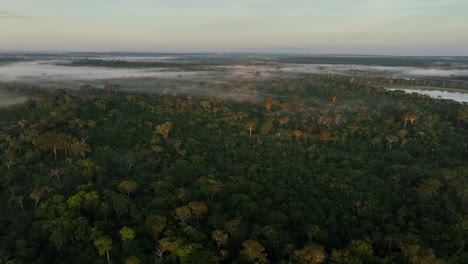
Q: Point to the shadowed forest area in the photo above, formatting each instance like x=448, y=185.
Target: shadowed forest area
x=321, y=169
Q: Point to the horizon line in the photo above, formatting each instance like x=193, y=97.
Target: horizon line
x=221, y=52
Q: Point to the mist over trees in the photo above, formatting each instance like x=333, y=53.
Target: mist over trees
x=324, y=169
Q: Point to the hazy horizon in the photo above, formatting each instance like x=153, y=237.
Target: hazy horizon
x=224, y=52
x=354, y=27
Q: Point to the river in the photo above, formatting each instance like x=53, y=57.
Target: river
x=459, y=97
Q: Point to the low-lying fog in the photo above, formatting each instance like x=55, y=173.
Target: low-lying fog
x=214, y=80
x=374, y=70
x=49, y=71
x=9, y=98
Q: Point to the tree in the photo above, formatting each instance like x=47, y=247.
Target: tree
x=183, y=213
x=418, y=255
x=120, y=203
x=128, y=187
x=462, y=115
x=390, y=140
x=254, y=252
x=310, y=254
x=333, y=95
x=356, y=252
x=412, y=117
x=164, y=129
x=283, y=121
x=267, y=103
x=51, y=141
x=325, y=136
x=198, y=208
x=312, y=231
x=266, y=126
x=205, y=105
x=250, y=125
x=80, y=148
x=57, y=172
x=127, y=234
x=9, y=158
x=17, y=200
x=232, y=226
x=160, y=249
x=210, y=187
x=298, y=134
x=104, y=245
x=402, y=133
x=108, y=87
x=156, y=224
x=157, y=149
x=36, y=195
x=132, y=260
x=177, y=247
x=220, y=237
x=429, y=187
x=223, y=254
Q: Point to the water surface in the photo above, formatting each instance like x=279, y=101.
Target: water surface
x=459, y=97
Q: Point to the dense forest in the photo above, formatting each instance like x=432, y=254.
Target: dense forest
x=319, y=170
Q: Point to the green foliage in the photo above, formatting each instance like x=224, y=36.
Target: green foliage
x=127, y=233
x=324, y=170
x=103, y=244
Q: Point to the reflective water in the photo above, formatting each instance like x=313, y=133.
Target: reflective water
x=459, y=97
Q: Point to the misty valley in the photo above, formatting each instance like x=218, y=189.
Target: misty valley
x=233, y=158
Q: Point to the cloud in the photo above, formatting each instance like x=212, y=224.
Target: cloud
x=12, y=15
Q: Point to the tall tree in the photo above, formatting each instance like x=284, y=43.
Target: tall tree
x=254, y=252
x=127, y=187
x=164, y=129
x=104, y=245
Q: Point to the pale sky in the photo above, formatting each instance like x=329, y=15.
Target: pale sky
x=407, y=27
